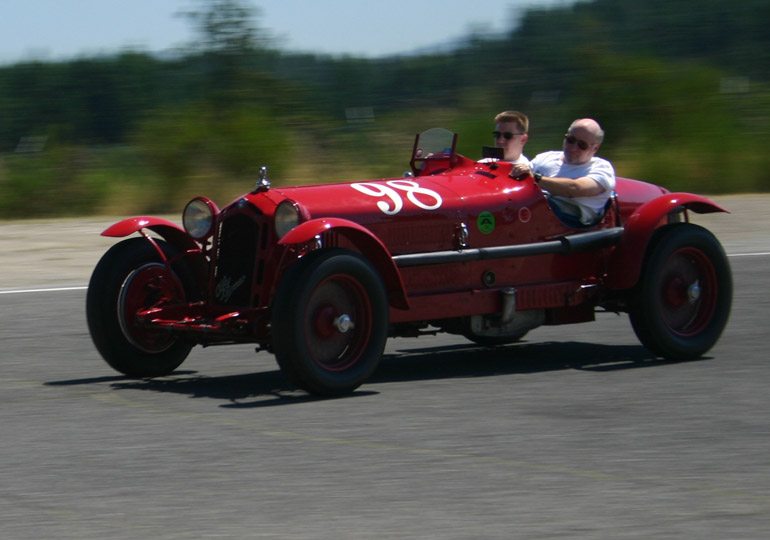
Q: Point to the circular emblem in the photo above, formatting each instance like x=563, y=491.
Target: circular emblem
x=525, y=214
x=486, y=222
x=418, y=153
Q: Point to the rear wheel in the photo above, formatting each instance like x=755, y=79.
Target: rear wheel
x=330, y=322
x=129, y=278
x=682, y=302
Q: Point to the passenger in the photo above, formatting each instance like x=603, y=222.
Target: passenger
x=510, y=134
x=577, y=182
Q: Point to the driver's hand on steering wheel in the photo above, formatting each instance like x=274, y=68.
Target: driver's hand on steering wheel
x=520, y=171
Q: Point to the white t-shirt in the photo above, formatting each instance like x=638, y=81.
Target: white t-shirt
x=552, y=164
x=522, y=159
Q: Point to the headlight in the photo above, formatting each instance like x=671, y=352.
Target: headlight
x=286, y=218
x=198, y=217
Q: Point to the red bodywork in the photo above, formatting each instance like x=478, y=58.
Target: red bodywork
x=449, y=242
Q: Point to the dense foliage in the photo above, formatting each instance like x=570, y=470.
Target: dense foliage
x=680, y=86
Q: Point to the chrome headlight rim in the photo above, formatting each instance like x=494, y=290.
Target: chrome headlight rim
x=287, y=216
x=199, y=217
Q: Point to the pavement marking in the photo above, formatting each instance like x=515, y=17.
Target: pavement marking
x=760, y=254
x=49, y=289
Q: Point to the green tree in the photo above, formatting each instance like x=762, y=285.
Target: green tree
x=227, y=39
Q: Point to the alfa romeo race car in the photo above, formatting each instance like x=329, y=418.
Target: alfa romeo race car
x=322, y=275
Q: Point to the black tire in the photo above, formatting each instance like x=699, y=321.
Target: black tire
x=129, y=277
x=682, y=302
x=330, y=322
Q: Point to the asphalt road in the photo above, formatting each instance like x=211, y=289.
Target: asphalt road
x=575, y=433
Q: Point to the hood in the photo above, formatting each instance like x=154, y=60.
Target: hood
x=377, y=201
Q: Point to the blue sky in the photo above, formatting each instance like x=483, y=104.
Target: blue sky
x=60, y=29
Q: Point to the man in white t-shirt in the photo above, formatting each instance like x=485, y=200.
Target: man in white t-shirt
x=579, y=182
x=511, y=135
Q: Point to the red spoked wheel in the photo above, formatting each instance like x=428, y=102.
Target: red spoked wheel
x=688, y=292
x=128, y=279
x=152, y=284
x=682, y=302
x=338, y=322
x=330, y=322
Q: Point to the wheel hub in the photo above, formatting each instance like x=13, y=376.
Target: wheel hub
x=694, y=292
x=344, y=323
x=329, y=323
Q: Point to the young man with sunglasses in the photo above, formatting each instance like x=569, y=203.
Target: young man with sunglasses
x=511, y=135
x=578, y=182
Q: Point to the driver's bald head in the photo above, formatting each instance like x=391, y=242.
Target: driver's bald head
x=588, y=125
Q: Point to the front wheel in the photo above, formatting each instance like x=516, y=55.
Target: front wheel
x=330, y=322
x=129, y=278
x=682, y=302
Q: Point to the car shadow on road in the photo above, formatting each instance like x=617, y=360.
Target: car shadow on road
x=270, y=388
x=469, y=360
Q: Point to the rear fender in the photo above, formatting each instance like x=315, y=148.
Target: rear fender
x=369, y=245
x=626, y=262
x=171, y=233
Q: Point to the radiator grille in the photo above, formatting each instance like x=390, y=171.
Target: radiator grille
x=240, y=241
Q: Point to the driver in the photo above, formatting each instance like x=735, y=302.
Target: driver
x=511, y=135
x=578, y=182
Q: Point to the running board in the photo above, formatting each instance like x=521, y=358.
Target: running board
x=573, y=243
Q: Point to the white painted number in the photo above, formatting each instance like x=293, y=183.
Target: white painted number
x=378, y=190
x=410, y=187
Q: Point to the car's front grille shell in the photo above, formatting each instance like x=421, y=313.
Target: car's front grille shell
x=239, y=265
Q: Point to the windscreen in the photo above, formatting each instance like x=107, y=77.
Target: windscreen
x=433, y=144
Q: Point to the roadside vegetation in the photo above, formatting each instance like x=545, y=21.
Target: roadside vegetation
x=685, y=103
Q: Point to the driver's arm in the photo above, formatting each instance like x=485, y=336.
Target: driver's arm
x=585, y=186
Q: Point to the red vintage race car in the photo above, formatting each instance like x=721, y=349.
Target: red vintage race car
x=322, y=275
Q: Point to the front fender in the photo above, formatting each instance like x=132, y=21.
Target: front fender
x=626, y=263
x=369, y=245
x=170, y=232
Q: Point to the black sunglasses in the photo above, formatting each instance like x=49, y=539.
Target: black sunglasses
x=506, y=134
x=571, y=139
